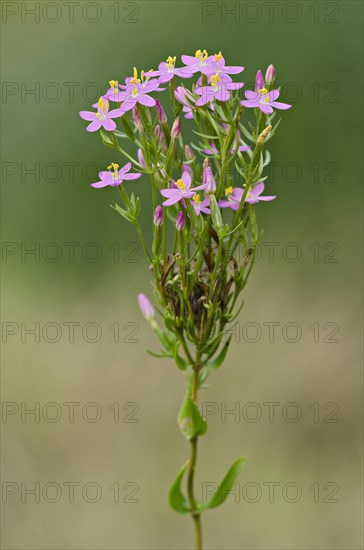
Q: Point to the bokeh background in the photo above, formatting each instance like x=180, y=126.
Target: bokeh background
x=123, y=439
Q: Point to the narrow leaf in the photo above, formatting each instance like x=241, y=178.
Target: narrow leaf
x=224, y=488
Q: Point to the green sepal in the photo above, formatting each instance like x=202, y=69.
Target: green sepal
x=176, y=498
x=224, y=488
x=190, y=420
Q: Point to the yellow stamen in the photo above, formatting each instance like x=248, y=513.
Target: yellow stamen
x=135, y=79
x=103, y=105
x=197, y=198
x=201, y=55
x=215, y=79
x=170, y=62
x=218, y=56
x=229, y=191
x=134, y=92
x=181, y=185
x=114, y=83
x=266, y=99
x=263, y=91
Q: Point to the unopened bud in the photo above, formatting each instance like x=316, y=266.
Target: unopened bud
x=208, y=179
x=162, y=117
x=180, y=222
x=158, y=216
x=189, y=154
x=146, y=307
x=157, y=131
x=136, y=118
x=176, y=128
x=259, y=81
x=270, y=75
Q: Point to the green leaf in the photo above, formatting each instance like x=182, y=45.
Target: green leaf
x=124, y=213
x=204, y=135
x=224, y=488
x=190, y=420
x=176, y=498
x=218, y=361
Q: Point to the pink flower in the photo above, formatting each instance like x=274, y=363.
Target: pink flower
x=264, y=100
x=102, y=117
x=179, y=190
x=217, y=89
x=114, y=176
x=167, y=70
x=201, y=62
x=223, y=71
x=235, y=195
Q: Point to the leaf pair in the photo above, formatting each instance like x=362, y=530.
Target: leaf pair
x=179, y=502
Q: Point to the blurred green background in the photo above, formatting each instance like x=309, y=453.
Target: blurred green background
x=316, y=48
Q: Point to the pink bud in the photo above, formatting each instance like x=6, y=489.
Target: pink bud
x=176, y=128
x=270, y=75
x=136, y=118
x=162, y=117
x=208, y=178
x=259, y=81
x=180, y=222
x=158, y=216
x=145, y=307
x=189, y=154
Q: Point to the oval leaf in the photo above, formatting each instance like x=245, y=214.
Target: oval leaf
x=190, y=420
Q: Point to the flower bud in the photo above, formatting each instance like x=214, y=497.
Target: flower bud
x=136, y=118
x=180, y=222
x=208, y=179
x=157, y=131
x=162, y=117
x=270, y=75
x=259, y=81
x=158, y=216
x=189, y=154
x=176, y=128
x=146, y=307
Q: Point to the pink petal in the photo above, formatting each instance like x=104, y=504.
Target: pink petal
x=266, y=109
x=146, y=100
x=94, y=126
x=109, y=124
x=282, y=106
x=125, y=168
x=88, y=115
x=133, y=176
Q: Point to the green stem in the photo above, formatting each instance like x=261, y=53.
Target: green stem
x=195, y=514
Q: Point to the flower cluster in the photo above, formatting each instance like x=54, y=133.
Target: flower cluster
x=204, y=235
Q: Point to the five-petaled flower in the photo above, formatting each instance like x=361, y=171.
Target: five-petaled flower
x=179, y=190
x=217, y=89
x=167, y=70
x=264, y=100
x=234, y=196
x=103, y=117
x=114, y=176
x=201, y=62
x=223, y=71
